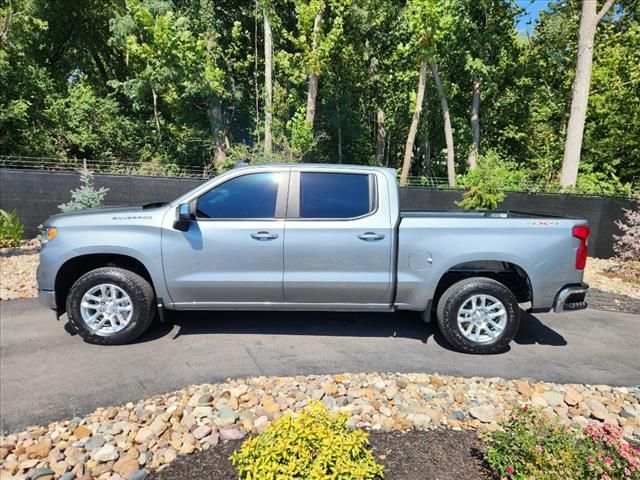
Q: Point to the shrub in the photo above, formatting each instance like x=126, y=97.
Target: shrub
x=315, y=444
x=607, y=455
x=487, y=183
x=531, y=446
x=86, y=196
x=627, y=245
x=11, y=230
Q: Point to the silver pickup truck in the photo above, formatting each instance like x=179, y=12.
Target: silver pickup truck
x=310, y=237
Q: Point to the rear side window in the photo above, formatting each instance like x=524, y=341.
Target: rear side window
x=248, y=196
x=334, y=195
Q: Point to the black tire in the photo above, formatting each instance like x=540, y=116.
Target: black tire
x=454, y=298
x=141, y=295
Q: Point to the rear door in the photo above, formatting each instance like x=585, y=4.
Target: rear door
x=338, y=239
x=232, y=254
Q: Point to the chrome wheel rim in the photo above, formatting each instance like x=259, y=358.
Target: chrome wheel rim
x=482, y=318
x=106, y=309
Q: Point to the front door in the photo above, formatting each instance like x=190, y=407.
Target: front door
x=338, y=241
x=232, y=253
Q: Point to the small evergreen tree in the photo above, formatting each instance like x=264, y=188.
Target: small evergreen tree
x=87, y=196
x=627, y=245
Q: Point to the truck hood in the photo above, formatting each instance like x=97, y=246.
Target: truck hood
x=114, y=213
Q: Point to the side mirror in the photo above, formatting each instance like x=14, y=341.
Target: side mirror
x=183, y=217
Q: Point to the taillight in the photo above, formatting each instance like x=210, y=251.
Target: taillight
x=581, y=232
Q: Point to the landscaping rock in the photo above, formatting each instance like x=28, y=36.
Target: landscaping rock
x=106, y=454
x=42, y=474
x=484, y=413
x=572, y=397
x=94, y=442
x=123, y=442
x=139, y=475
x=553, y=398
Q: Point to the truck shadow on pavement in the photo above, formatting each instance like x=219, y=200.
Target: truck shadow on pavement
x=400, y=324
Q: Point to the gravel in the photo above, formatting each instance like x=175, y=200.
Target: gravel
x=18, y=271
x=115, y=442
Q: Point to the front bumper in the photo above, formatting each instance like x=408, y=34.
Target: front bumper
x=571, y=298
x=48, y=299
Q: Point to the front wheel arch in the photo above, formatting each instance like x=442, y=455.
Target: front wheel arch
x=74, y=268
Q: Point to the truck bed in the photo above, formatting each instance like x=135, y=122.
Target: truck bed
x=474, y=214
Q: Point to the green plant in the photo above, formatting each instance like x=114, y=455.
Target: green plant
x=627, y=245
x=87, y=196
x=486, y=185
x=607, y=455
x=314, y=444
x=11, y=230
x=531, y=446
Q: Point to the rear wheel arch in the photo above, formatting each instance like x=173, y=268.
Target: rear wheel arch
x=511, y=275
x=74, y=268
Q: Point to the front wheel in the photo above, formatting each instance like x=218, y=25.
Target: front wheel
x=110, y=306
x=478, y=315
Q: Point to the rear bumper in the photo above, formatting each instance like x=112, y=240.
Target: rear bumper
x=571, y=298
x=48, y=299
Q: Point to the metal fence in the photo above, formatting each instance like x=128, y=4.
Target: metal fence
x=104, y=166
x=202, y=171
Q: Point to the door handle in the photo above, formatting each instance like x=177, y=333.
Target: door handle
x=370, y=236
x=262, y=236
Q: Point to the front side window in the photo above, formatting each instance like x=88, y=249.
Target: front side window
x=249, y=196
x=334, y=195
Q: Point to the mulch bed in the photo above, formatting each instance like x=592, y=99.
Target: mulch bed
x=414, y=455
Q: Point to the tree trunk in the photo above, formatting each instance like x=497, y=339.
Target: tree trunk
x=589, y=20
x=268, y=84
x=255, y=67
x=339, y=131
x=427, y=150
x=475, y=125
x=314, y=75
x=381, y=136
x=411, y=138
x=448, y=132
x=155, y=109
x=219, y=138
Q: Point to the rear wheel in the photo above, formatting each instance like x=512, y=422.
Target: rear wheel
x=478, y=315
x=110, y=306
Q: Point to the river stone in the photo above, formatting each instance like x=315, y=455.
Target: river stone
x=126, y=466
x=139, y=475
x=202, y=431
x=572, y=397
x=329, y=402
x=41, y=473
x=68, y=476
x=553, y=398
x=231, y=434
x=484, y=413
x=524, y=389
x=598, y=410
x=106, y=454
x=226, y=417
x=158, y=426
x=202, y=411
x=94, y=442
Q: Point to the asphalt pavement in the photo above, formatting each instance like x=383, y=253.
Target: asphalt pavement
x=48, y=373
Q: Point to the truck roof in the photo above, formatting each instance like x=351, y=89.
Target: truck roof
x=331, y=166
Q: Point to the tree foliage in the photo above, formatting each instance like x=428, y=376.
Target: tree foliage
x=180, y=83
